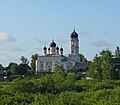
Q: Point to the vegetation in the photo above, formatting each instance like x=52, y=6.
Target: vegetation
x=60, y=88
x=24, y=60
x=82, y=58
x=15, y=69
x=34, y=58
x=103, y=68
x=117, y=52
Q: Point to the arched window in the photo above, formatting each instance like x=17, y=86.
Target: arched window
x=62, y=66
x=49, y=68
x=68, y=66
x=41, y=66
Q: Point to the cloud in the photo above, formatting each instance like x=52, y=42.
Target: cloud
x=6, y=37
x=100, y=43
x=85, y=33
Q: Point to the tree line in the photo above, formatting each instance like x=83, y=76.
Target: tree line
x=105, y=66
x=19, y=69
x=59, y=88
x=102, y=67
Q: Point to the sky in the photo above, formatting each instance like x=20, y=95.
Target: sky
x=26, y=26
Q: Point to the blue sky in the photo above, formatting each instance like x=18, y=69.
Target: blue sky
x=27, y=25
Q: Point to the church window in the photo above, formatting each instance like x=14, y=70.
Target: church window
x=41, y=66
x=72, y=51
x=68, y=66
x=49, y=68
x=72, y=43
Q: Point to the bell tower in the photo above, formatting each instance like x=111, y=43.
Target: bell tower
x=74, y=43
x=74, y=47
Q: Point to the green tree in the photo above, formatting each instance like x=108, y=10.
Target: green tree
x=108, y=68
x=102, y=52
x=58, y=78
x=95, y=70
x=102, y=67
x=14, y=68
x=82, y=58
x=34, y=58
x=8, y=68
x=1, y=69
x=24, y=60
x=22, y=69
x=58, y=69
x=117, y=52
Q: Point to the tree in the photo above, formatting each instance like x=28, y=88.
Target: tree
x=13, y=68
x=1, y=69
x=24, y=60
x=95, y=70
x=102, y=67
x=58, y=78
x=34, y=58
x=117, y=52
x=82, y=58
x=102, y=52
x=22, y=69
x=108, y=68
x=58, y=69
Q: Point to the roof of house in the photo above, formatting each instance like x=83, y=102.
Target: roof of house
x=51, y=55
x=79, y=66
x=66, y=59
x=116, y=60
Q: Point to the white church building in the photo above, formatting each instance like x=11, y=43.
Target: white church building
x=54, y=55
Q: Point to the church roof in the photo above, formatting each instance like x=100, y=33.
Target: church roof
x=116, y=60
x=50, y=55
x=57, y=48
x=53, y=44
x=79, y=66
x=45, y=48
x=74, y=34
x=66, y=59
x=61, y=49
x=49, y=48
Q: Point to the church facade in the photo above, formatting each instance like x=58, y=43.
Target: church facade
x=54, y=55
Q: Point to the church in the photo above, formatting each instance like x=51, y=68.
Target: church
x=54, y=55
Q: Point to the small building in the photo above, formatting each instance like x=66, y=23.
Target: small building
x=116, y=62
x=80, y=68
